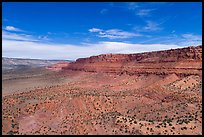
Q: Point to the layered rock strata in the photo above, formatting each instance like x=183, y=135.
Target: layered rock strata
x=184, y=61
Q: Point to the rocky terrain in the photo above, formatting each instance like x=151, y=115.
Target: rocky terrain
x=142, y=94
x=185, y=61
x=58, y=66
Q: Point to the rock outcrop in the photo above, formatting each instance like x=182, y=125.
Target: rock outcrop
x=184, y=61
x=58, y=66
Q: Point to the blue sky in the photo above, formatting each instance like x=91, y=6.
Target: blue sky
x=71, y=30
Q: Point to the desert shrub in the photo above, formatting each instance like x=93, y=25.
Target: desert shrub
x=185, y=128
x=151, y=121
x=168, y=120
x=126, y=131
x=172, y=118
x=164, y=121
x=13, y=125
x=10, y=132
x=158, y=126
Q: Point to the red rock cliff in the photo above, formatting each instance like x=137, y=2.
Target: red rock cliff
x=184, y=61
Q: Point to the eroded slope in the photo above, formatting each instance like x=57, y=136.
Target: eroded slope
x=95, y=102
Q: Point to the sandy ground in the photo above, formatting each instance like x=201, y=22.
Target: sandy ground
x=70, y=102
x=19, y=81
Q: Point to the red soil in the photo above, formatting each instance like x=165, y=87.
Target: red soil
x=147, y=93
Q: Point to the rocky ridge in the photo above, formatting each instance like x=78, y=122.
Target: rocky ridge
x=184, y=61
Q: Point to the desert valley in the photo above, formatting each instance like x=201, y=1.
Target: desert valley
x=147, y=93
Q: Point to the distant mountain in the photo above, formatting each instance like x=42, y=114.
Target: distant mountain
x=20, y=63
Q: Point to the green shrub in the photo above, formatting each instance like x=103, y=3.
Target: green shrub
x=151, y=120
x=10, y=132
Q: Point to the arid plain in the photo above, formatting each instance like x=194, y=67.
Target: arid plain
x=143, y=94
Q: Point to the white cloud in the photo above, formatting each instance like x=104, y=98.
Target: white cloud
x=28, y=49
x=114, y=33
x=104, y=11
x=26, y=46
x=150, y=26
x=24, y=49
x=181, y=40
x=139, y=10
x=144, y=12
x=12, y=28
x=127, y=48
x=191, y=37
x=95, y=30
x=44, y=37
x=117, y=34
x=58, y=51
x=23, y=37
x=20, y=37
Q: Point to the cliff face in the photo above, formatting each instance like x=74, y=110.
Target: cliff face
x=58, y=66
x=184, y=61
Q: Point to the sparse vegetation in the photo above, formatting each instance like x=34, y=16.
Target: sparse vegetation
x=86, y=105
